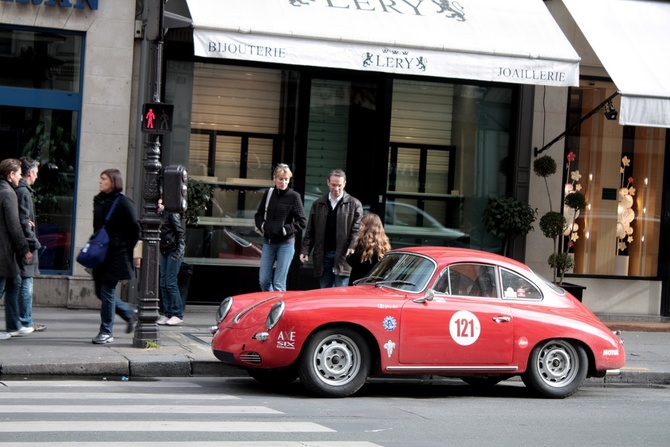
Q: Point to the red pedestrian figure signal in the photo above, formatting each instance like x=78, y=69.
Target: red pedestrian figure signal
x=157, y=118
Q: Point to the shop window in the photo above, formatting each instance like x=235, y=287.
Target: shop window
x=40, y=105
x=49, y=60
x=448, y=153
x=234, y=135
x=622, y=178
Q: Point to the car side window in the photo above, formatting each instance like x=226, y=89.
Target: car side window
x=516, y=286
x=469, y=280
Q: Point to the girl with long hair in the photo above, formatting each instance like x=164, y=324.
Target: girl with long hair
x=371, y=245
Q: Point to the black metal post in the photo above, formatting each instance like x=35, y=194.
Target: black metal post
x=146, y=331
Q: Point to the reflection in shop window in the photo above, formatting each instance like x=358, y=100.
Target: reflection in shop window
x=48, y=136
x=601, y=146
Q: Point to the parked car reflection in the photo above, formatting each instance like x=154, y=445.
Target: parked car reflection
x=407, y=225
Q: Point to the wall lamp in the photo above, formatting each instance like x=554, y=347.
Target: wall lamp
x=610, y=111
x=610, y=114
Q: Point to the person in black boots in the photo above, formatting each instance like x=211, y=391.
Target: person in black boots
x=280, y=216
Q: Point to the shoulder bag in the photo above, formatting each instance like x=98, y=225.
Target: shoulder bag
x=265, y=216
x=93, y=254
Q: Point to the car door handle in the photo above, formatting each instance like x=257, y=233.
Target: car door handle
x=502, y=319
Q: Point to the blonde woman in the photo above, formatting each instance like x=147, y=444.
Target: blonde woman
x=280, y=222
x=371, y=245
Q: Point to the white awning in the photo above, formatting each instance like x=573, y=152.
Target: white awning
x=632, y=40
x=490, y=40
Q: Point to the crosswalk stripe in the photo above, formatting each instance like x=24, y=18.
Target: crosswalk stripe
x=202, y=444
x=162, y=426
x=118, y=396
x=150, y=409
x=108, y=384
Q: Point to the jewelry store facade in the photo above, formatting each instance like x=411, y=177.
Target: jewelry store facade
x=427, y=124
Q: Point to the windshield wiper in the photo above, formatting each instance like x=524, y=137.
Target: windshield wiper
x=367, y=278
x=395, y=282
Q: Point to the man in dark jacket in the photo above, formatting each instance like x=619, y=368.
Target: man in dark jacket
x=13, y=248
x=25, y=194
x=331, y=232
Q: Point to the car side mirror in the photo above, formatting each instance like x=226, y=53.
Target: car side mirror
x=428, y=296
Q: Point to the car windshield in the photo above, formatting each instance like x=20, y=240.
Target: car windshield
x=402, y=271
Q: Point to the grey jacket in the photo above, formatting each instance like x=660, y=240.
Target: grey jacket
x=349, y=213
x=25, y=194
x=13, y=245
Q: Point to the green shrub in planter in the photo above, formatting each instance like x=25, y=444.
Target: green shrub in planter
x=508, y=218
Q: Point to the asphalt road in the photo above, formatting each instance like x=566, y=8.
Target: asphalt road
x=237, y=412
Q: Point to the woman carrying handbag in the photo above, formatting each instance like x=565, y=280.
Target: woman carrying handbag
x=124, y=232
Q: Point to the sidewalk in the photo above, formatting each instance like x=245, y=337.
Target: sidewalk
x=65, y=349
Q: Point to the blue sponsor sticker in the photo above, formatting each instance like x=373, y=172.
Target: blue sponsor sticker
x=389, y=323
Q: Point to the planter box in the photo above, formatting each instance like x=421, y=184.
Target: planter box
x=575, y=290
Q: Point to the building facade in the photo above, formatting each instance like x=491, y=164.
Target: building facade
x=427, y=124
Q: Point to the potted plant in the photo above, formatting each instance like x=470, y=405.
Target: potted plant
x=561, y=227
x=199, y=195
x=508, y=218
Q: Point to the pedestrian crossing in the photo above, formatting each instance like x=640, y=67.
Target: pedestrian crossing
x=83, y=413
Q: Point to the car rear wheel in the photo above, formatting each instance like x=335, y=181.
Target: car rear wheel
x=335, y=362
x=275, y=376
x=556, y=369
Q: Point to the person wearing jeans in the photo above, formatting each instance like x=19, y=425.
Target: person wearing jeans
x=172, y=245
x=13, y=249
x=111, y=305
x=280, y=216
x=124, y=232
x=25, y=196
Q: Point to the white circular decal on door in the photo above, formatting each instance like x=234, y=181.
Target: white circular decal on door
x=464, y=328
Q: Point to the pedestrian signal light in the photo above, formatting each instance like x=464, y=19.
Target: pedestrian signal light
x=157, y=118
x=175, y=188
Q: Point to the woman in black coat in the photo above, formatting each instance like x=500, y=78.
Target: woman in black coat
x=124, y=231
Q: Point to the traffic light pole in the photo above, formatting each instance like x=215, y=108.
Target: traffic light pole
x=146, y=332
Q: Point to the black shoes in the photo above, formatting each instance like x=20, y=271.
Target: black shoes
x=131, y=324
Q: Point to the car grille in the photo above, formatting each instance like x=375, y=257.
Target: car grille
x=251, y=357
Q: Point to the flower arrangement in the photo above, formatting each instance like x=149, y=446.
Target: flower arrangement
x=555, y=224
x=572, y=205
x=625, y=213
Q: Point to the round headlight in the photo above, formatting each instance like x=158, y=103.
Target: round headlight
x=224, y=308
x=275, y=314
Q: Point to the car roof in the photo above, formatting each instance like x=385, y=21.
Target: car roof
x=455, y=254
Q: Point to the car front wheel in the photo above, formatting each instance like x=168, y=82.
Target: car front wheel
x=335, y=362
x=556, y=369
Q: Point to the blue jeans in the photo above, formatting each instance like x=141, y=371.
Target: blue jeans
x=170, y=296
x=10, y=286
x=111, y=304
x=26, y=301
x=329, y=278
x=282, y=254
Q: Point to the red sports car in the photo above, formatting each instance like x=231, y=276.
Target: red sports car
x=431, y=310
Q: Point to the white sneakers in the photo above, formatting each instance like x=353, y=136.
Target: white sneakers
x=4, y=336
x=169, y=321
x=23, y=331
x=174, y=321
